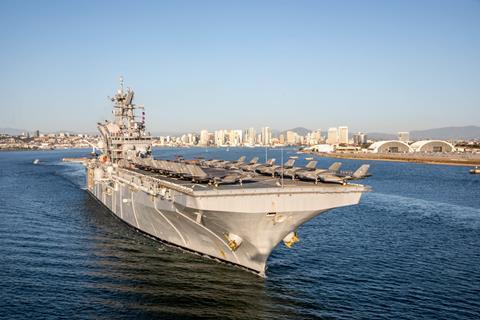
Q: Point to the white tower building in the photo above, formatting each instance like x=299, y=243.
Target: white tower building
x=332, y=137
x=266, y=136
x=203, y=138
x=343, y=135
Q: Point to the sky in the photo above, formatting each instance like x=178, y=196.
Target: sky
x=375, y=66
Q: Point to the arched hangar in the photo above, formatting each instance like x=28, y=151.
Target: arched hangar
x=432, y=146
x=391, y=146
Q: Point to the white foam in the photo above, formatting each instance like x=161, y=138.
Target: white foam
x=465, y=215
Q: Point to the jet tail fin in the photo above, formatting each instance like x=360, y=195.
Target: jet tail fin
x=197, y=171
x=335, y=166
x=311, y=165
x=361, y=172
x=289, y=163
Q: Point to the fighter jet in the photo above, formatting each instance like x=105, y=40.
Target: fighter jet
x=292, y=172
x=360, y=173
x=263, y=169
x=226, y=163
x=211, y=162
x=312, y=175
x=251, y=166
x=341, y=178
x=276, y=169
x=213, y=176
x=235, y=164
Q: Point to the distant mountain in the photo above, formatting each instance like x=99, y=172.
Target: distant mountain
x=446, y=133
x=299, y=130
x=381, y=136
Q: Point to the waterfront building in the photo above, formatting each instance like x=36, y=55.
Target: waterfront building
x=332, y=137
x=323, y=148
x=191, y=138
x=266, y=136
x=219, y=137
x=292, y=137
x=204, y=137
x=235, y=137
x=249, y=137
x=315, y=137
x=432, y=146
x=184, y=139
x=229, y=137
x=391, y=146
x=359, y=138
x=343, y=135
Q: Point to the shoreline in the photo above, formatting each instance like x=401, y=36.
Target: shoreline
x=399, y=158
x=426, y=159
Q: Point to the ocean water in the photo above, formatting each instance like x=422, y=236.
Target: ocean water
x=409, y=250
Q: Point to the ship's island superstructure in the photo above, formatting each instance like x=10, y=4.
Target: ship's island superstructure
x=234, y=211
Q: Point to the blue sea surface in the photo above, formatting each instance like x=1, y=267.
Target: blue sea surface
x=409, y=250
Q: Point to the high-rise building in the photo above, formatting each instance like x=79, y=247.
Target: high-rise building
x=184, y=139
x=249, y=136
x=343, y=135
x=315, y=137
x=219, y=137
x=359, y=138
x=37, y=133
x=191, y=138
x=234, y=137
x=291, y=137
x=404, y=136
x=266, y=136
x=203, y=138
x=332, y=137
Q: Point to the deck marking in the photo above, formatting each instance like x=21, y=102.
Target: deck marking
x=213, y=233
x=121, y=203
x=133, y=209
x=155, y=230
x=169, y=222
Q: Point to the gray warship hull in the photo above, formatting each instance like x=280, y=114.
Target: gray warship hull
x=231, y=210
x=202, y=220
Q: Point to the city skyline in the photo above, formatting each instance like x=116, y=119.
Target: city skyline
x=468, y=129
x=336, y=139
x=378, y=66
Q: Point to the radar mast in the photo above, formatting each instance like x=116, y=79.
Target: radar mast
x=125, y=137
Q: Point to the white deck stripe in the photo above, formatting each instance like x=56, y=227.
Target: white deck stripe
x=134, y=214
x=169, y=222
x=210, y=231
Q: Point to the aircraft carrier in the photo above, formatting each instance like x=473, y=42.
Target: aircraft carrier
x=234, y=211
